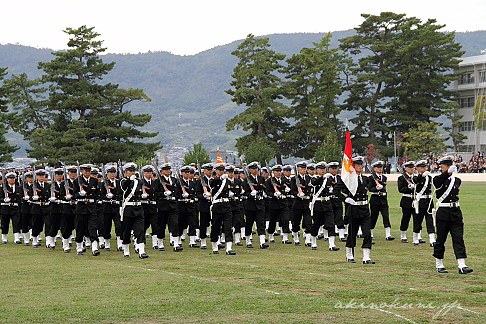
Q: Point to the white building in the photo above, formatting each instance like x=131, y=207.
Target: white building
x=470, y=85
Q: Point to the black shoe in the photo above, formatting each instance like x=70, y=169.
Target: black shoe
x=155, y=247
x=203, y=247
x=286, y=242
x=71, y=244
x=271, y=241
x=334, y=248
x=161, y=248
x=143, y=256
x=314, y=247
x=220, y=246
x=102, y=247
x=320, y=236
x=351, y=260
x=372, y=242
x=432, y=244
x=107, y=249
x=297, y=244
x=369, y=262
x=276, y=234
x=390, y=238
x=84, y=250
x=359, y=236
x=35, y=245
x=198, y=240
x=80, y=253
x=26, y=243
x=67, y=250
x=119, y=249
x=216, y=252
x=308, y=244
x=136, y=251
x=239, y=244
x=171, y=243
x=95, y=253
x=416, y=244
x=126, y=256
x=422, y=241
x=250, y=246
x=266, y=240
x=194, y=245
x=52, y=247
x=253, y=232
x=342, y=239
x=465, y=270
x=264, y=246
x=230, y=252
x=443, y=270
x=183, y=239
x=404, y=240
x=326, y=239
x=177, y=249
x=17, y=242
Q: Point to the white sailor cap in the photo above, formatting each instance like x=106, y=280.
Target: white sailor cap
x=421, y=163
x=311, y=166
x=29, y=174
x=71, y=168
x=287, y=167
x=448, y=159
x=230, y=168
x=165, y=166
x=59, y=171
x=377, y=164
x=359, y=159
x=207, y=166
x=185, y=168
x=301, y=164
x=111, y=168
x=40, y=172
x=253, y=165
x=85, y=166
x=219, y=166
x=130, y=166
x=321, y=165
x=408, y=164
x=147, y=168
x=94, y=170
x=333, y=164
x=11, y=175
x=277, y=167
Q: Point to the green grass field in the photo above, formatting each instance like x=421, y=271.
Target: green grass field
x=282, y=284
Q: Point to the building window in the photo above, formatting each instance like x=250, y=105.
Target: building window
x=466, y=102
x=482, y=76
x=467, y=78
x=467, y=148
x=467, y=126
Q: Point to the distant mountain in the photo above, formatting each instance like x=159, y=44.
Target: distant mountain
x=188, y=99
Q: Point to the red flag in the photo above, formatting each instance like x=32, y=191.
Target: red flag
x=348, y=173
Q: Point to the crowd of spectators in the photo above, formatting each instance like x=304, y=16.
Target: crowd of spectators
x=477, y=163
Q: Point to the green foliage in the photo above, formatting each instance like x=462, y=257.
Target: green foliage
x=259, y=149
x=329, y=149
x=314, y=86
x=198, y=155
x=452, y=114
x=424, y=139
x=6, y=149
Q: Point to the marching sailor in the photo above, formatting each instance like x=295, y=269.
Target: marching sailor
x=278, y=207
x=111, y=193
x=423, y=201
x=186, y=205
x=337, y=198
x=56, y=205
x=68, y=208
x=406, y=188
x=149, y=202
x=41, y=213
x=235, y=186
x=302, y=191
x=11, y=196
x=379, y=201
x=204, y=200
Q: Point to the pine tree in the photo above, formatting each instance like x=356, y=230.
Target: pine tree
x=6, y=149
x=198, y=155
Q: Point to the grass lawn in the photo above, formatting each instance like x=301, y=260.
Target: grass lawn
x=282, y=284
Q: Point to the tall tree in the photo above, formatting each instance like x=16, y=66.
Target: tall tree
x=422, y=140
x=6, y=149
x=198, y=155
x=314, y=84
x=256, y=85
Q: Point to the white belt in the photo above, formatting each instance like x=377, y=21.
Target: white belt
x=41, y=203
x=360, y=203
x=450, y=205
x=379, y=193
x=304, y=197
x=86, y=200
x=220, y=200
x=115, y=202
x=150, y=202
x=9, y=204
x=186, y=200
x=71, y=202
x=407, y=195
x=323, y=198
x=170, y=198
x=426, y=197
x=133, y=203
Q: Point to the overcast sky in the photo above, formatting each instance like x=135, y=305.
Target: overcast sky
x=189, y=27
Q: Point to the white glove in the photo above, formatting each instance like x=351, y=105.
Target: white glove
x=167, y=193
x=331, y=189
x=379, y=187
x=133, y=177
x=452, y=169
x=68, y=197
x=52, y=199
x=349, y=200
x=26, y=197
x=253, y=193
x=327, y=175
x=35, y=197
x=82, y=193
x=185, y=194
x=231, y=194
x=108, y=195
x=242, y=191
x=206, y=195
x=224, y=176
x=6, y=199
x=300, y=195
x=287, y=189
x=411, y=186
x=277, y=194
x=426, y=173
x=265, y=194
x=144, y=196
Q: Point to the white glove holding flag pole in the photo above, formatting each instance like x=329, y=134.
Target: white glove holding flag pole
x=349, y=200
x=327, y=175
x=452, y=169
x=224, y=176
x=425, y=174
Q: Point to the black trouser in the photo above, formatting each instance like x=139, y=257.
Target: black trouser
x=41, y=216
x=406, y=214
x=100, y=223
x=26, y=222
x=86, y=225
x=13, y=215
x=67, y=225
x=456, y=228
x=238, y=220
x=167, y=218
x=346, y=215
x=419, y=218
x=257, y=216
x=355, y=222
x=205, y=218
x=375, y=210
x=185, y=220
x=108, y=219
x=137, y=225
x=337, y=209
x=150, y=219
x=326, y=218
x=55, y=224
x=304, y=216
x=282, y=215
x=219, y=220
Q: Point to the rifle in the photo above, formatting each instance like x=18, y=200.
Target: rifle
x=405, y=174
x=247, y=176
x=66, y=179
x=53, y=184
x=120, y=170
x=105, y=179
x=373, y=174
x=34, y=183
x=297, y=179
x=204, y=184
x=141, y=176
x=157, y=175
x=178, y=177
x=78, y=172
x=4, y=183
